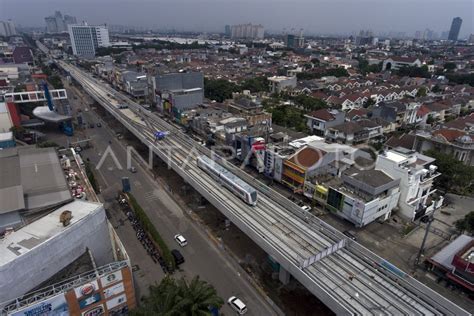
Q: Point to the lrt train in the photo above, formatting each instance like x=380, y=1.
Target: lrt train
x=233, y=183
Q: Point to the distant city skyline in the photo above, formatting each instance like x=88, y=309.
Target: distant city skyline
x=315, y=17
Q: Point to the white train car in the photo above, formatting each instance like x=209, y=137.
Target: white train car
x=233, y=183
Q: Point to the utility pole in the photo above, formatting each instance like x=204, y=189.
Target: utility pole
x=420, y=252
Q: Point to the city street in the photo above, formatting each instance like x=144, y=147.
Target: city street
x=203, y=257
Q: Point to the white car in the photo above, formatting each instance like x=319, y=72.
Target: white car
x=180, y=240
x=237, y=305
x=306, y=208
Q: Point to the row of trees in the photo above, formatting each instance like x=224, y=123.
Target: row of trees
x=413, y=71
x=365, y=68
x=322, y=72
x=159, y=45
x=222, y=89
x=179, y=297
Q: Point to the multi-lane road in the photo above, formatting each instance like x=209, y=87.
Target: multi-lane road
x=203, y=258
x=352, y=280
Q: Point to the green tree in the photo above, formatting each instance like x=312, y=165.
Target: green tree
x=46, y=144
x=257, y=84
x=466, y=224
x=430, y=120
x=219, y=89
x=461, y=79
x=455, y=177
x=178, y=297
x=413, y=71
x=421, y=92
x=436, y=89
x=449, y=66
x=369, y=103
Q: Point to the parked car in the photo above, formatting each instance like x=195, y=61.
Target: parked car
x=180, y=240
x=237, y=305
x=77, y=149
x=132, y=169
x=177, y=256
x=99, y=125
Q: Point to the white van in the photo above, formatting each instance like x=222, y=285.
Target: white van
x=237, y=305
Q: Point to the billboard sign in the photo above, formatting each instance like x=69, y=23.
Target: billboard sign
x=89, y=300
x=86, y=289
x=116, y=301
x=114, y=290
x=111, y=278
x=54, y=306
x=95, y=311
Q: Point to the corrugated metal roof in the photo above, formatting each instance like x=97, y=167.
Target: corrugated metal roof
x=31, y=178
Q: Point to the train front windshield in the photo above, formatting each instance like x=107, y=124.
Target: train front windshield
x=253, y=196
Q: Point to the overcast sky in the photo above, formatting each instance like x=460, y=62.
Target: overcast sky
x=314, y=16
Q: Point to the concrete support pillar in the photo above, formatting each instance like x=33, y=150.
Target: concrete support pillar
x=284, y=276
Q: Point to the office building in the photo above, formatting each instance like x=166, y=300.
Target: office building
x=85, y=39
x=7, y=28
x=294, y=41
x=57, y=23
x=455, y=28
x=247, y=31
x=177, y=92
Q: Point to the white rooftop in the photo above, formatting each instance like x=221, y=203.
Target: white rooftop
x=445, y=256
x=40, y=231
x=298, y=143
x=44, y=113
x=279, y=78
x=395, y=157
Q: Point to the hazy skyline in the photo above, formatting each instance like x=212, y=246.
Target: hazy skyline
x=320, y=17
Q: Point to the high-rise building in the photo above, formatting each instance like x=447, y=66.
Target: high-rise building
x=455, y=28
x=57, y=23
x=68, y=19
x=471, y=39
x=228, y=31
x=364, y=38
x=85, y=39
x=7, y=28
x=247, y=31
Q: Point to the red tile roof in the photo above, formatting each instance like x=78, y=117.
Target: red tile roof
x=422, y=111
x=357, y=112
x=461, y=123
x=403, y=59
x=322, y=114
x=449, y=134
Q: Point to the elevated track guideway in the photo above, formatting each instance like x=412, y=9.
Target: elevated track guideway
x=350, y=279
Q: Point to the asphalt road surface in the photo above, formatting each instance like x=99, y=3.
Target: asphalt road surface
x=203, y=257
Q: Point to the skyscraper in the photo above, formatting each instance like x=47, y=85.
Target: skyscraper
x=228, y=32
x=57, y=23
x=86, y=39
x=7, y=28
x=247, y=31
x=455, y=28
